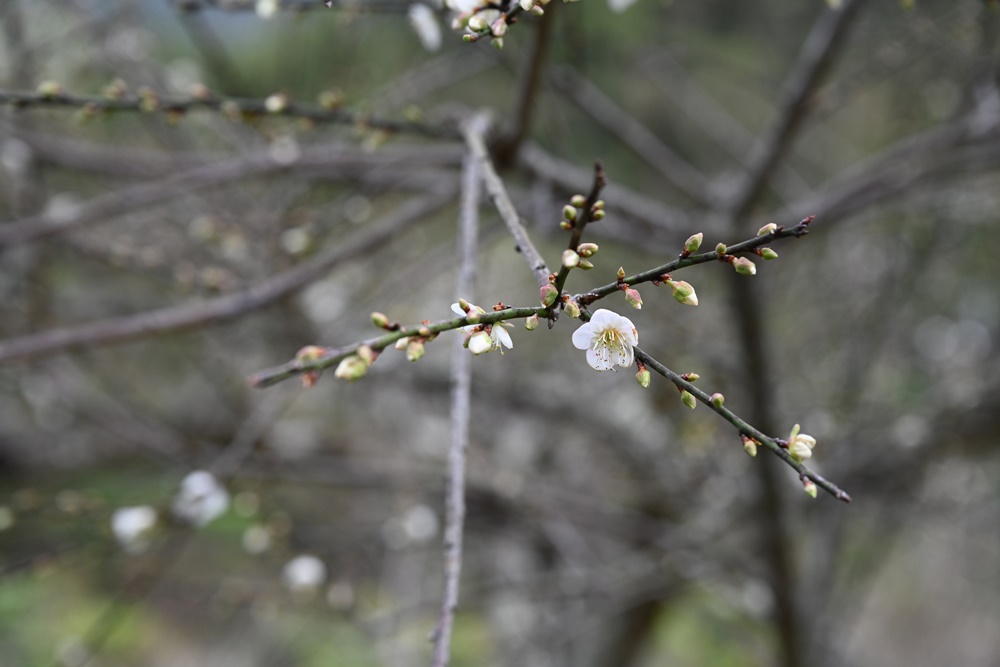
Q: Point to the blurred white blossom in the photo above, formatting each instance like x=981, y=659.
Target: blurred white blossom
x=426, y=25
x=304, y=574
x=201, y=499
x=132, y=527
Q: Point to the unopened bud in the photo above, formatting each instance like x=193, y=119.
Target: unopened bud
x=621, y=273
x=750, y=447
x=424, y=332
x=380, y=320
x=537, y=11
x=720, y=249
x=548, y=295
x=745, y=267
x=693, y=242
x=499, y=27
x=565, y=225
x=809, y=487
x=526, y=5
x=573, y=309
x=597, y=215
x=683, y=292
x=367, y=354
x=586, y=265
x=570, y=259
x=149, y=101
x=477, y=23
x=415, y=350
x=480, y=343
x=200, y=91
x=687, y=398
x=497, y=43
x=473, y=316
x=768, y=254
x=276, y=103
x=578, y=201
x=402, y=343
x=643, y=377
x=531, y=323
x=691, y=377
x=464, y=305
x=598, y=205
x=468, y=39
x=351, y=368
x=769, y=228
x=50, y=89
x=115, y=90
x=718, y=400
x=633, y=298
x=587, y=249
x=569, y=213
x=309, y=354
x=330, y=99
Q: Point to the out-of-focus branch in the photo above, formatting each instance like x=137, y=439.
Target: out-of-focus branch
x=475, y=137
x=461, y=390
x=235, y=107
x=674, y=169
x=814, y=59
x=194, y=315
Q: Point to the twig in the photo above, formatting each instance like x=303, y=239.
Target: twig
x=474, y=136
x=583, y=218
x=199, y=314
x=461, y=388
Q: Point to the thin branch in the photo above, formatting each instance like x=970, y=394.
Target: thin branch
x=474, y=136
x=199, y=314
x=677, y=171
x=582, y=219
x=237, y=108
x=461, y=389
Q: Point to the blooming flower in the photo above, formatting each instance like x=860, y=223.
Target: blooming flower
x=132, y=527
x=498, y=336
x=608, y=339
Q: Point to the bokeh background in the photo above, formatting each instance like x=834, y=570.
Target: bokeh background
x=608, y=526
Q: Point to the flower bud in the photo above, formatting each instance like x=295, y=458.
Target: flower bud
x=800, y=445
x=683, y=292
x=768, y=254
x=586, y=265
x=402, y=343
x=351, y=368
x=597, y=214
x=499, y=27
x=809, y=487
x=309, y=353
x=537, y=11
x=693, y=242
x=769, y=228
x=50, y=89
x=621, y=273
x=497, y=43
x=468, y=39
x=587, y=249
x=464, y=305
x=569, y=213
x=473, y=316
x=643, y=377
x=745, y=267
x=565, y=225
x=380, y=320
x=750, y=447
x=691, y=377
x=718, y=400
x=276, y=103
x=424, y=332
x=527, y=5
x=598, y=205
x=548, y=295
x=633, y=298
x=480, y=343
x=578, y=201
x=415, y=350
x=531, y=323
x=367, y=354
x=687, y=398
x=573, y=309
x=720, y=249
x=477, y=23
x=570, y=259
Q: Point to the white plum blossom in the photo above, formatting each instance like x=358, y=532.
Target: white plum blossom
x=800, y=445
x=266, y=8
x=426, y=25
x=497, y=335
x=608, y=339
x=132, y=527
x=201, y=499
x=304, y=574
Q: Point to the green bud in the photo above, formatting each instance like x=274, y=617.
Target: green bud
x=565, y=225
x=720, y=249
x=573, y=309
x=587, y=249
x=768, y=254
x=497, y=43
x=745, y=267
x=309, y=354
x=330, y=99
x=578, y=201
x=643, y=377
x=351, y=368
x=531, y=323
x=693, y=242
x=380, y=320
x=621, y=273
x=548, y=295
x=586, y=265
x=598, y=205
x=569, y=213
x=750, y=447
x=683, y=292
x=718, y=400
x=769, y=228
x=597, y=215
x=809, y=487
x=50, y=89
x=415, y=349
x=687, y=398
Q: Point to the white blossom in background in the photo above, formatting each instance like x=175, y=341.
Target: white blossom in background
x=256, y=539
x=201, y=499
x=426, y=25
x=420, y=523
x=620, y=6
x=133, y=526
x=608, y=339
x=304, y=574
x=266, y=8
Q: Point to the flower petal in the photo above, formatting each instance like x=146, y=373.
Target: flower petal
x=604, y=318
x=457, y=309
x=583, y=336
x=597, y=362
x=500, y=335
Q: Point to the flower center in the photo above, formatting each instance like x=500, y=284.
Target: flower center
x=610, y=339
